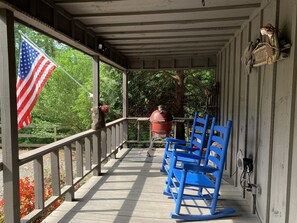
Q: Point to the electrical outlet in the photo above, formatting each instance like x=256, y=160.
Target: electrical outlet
x=259, y=189
x=248, y=165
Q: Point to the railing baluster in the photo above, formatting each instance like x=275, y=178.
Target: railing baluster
x=150, y=131
x=138, y=131
x=97, y=153
x=55, y=168
x=79, y=158
x=187, y=129
x=104, y=143
x=174, y=129
x=69, y=172
x=38, y=183
x=117, y=135
x=121, y=132
x=125, y=131
x=108, y=140
x=113, y=138
x=88, y=153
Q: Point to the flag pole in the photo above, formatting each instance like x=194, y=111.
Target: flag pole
x=37, y=48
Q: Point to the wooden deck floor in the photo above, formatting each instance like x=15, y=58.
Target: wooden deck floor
x=130, y=190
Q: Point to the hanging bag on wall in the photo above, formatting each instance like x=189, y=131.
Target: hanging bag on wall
x=266, y=52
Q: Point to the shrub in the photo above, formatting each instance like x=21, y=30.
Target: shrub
x=27, y=198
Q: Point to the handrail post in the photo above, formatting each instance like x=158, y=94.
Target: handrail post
x=96, y=98
x=9, y=117
x=125, y=108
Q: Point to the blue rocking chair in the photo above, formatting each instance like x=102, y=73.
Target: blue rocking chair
x=194, y=145
x=200, y=183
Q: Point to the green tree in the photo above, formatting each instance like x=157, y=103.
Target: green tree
x=182, y=92
x=62, y=102
x=111, y=91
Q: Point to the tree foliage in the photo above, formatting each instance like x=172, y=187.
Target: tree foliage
x=63, y=102
x=147, y=90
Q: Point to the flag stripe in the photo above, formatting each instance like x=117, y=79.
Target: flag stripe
x=32, y=86
x=28, y=83
x=31, y=101
x=34, y=70
x=33, y=91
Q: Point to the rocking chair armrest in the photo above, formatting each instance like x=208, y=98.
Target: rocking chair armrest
x=179, y=141
x=187, y=155
x=189, y=149
x=198, y=169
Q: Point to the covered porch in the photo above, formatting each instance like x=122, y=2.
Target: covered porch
x=126, y=186
x=130, y=190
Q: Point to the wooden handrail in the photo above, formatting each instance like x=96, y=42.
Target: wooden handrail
x=100, y=148
x=111, y=140
x=33, y=154
x=146, y=120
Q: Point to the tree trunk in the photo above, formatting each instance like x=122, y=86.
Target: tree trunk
x=179, y=103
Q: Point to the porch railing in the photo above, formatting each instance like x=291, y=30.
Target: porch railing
x=81, y=155
x=141, y=128
x=54, y=133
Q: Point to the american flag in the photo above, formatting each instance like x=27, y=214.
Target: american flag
x=34, y=70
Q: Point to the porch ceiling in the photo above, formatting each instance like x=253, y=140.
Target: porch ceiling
x=150, y=29
x=152, y=34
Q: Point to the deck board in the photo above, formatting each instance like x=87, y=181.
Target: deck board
x=130, y=190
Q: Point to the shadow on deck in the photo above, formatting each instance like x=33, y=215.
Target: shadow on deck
x=130, y=190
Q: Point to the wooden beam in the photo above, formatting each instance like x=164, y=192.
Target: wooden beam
x=143, y=31
x=173, y=22
x=9, y=130
x=172, y=52
x=165, y=63
x=147, y=43
x=170, y=37
x=171, y=47
x=83, y=1
x=169, y=11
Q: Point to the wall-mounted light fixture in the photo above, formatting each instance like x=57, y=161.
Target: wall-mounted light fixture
x=101, y=47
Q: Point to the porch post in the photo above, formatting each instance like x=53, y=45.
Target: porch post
x=9, y=117
x=125, y=107
x=96, y=98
